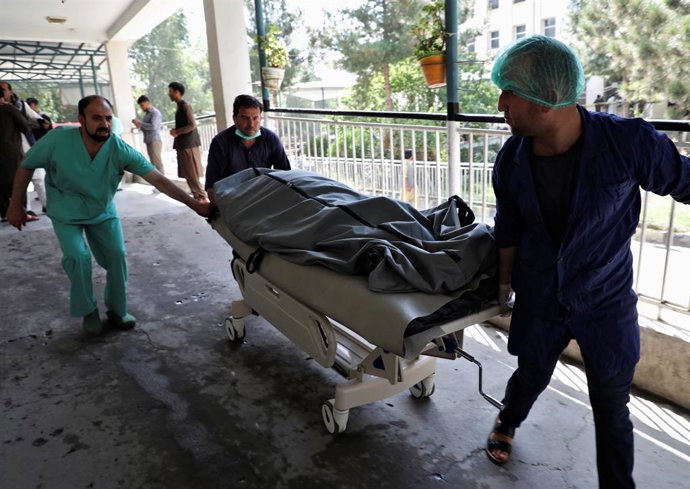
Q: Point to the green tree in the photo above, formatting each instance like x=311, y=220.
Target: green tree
x=49, y=100
x=642, y=45
x=370, y=39
x=165, y=55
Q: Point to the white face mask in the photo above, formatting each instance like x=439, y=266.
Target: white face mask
x=243, y=136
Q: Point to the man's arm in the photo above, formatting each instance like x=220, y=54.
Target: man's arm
x=505, y=264
x=16, y=214
x=505, y=268
x=279, y=158
x=214, y=165
x=158, y=180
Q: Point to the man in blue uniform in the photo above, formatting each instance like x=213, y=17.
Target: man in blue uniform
x=84, y=166
x=245, y=144
x=567, y=189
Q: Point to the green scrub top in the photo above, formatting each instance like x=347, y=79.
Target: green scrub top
x=80, y=190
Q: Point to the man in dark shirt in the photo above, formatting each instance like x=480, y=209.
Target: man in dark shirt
x=187, y=142
x=246, y=144
x=567, y=187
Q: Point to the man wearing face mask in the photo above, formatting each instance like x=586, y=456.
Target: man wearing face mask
x=246, y=144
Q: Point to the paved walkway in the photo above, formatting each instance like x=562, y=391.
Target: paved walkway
x=172, y=404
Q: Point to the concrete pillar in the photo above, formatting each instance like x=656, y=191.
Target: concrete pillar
x=122, y=98
x=228, y=55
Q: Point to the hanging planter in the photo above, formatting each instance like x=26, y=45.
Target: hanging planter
x=434, y=69
x=272, y=77
x=430, y=34
x=276, y=53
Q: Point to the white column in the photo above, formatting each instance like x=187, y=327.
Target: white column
x=123, y=102
x=228, y=55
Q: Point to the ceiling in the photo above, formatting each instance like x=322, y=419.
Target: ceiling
x=32, y=49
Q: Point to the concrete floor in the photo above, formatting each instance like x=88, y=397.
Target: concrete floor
x=173, y=404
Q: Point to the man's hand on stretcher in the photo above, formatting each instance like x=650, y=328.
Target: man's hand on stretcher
x=203, y=208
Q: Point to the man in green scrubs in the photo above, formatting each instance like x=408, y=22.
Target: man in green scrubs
x=83, y=168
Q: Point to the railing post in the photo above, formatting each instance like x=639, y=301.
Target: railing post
x=452, y=97
x=261, y=32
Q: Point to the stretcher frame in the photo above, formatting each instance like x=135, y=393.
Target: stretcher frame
x=373, y=373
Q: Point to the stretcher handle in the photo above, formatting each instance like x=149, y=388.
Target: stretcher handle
x=493, y=401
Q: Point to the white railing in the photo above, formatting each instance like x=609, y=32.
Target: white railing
x=409, y=162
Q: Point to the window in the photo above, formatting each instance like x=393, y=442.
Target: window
x=519, y=31
x=493, y=4
x=493, y=40
x=550, y=27
x=471, y=48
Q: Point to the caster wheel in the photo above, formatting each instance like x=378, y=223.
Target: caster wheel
x=334, y=419
x=235, y=329
x=423, y=389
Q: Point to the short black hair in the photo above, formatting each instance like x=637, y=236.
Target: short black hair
x=242, y=101
x=32, y=100
x=177, y=86
x=83, y=103
x=143, y=99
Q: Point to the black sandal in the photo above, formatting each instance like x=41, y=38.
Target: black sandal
x=500, y=438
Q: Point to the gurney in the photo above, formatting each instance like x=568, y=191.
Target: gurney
x=374, y=340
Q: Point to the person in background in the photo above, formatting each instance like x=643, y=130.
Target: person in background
x=45, y=124
x=31, y=116
x=187, y=142
x=150, y=125
x=84, y=166
x=12, y=126
x=567, y=187
x=243, y=145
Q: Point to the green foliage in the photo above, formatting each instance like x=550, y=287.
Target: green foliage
x=274, y=47
x=165, y=55
x=276, y=13
x=430, y=31
x=642, y=45
x=370, y=39
x=477, y=94
x=49, y=101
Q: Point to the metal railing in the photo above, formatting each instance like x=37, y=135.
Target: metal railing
x=409, y=162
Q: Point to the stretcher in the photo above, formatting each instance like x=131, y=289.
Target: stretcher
x=341, y=324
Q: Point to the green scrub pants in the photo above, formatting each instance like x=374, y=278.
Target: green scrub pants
x=108, y=247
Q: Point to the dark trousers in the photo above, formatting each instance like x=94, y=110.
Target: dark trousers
x=5, y=194
x=609, y=400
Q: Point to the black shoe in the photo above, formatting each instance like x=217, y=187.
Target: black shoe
x=31, y=213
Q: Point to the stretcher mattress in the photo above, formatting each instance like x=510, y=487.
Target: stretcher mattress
x=400, y=323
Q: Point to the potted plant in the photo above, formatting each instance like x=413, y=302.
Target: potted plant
x=276, y=53
x=430, y=33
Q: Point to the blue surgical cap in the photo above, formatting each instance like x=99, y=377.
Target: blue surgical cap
x=540, y=69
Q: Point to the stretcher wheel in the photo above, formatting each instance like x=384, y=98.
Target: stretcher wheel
x=334, y=419
x=235, y=329
x=423, y=389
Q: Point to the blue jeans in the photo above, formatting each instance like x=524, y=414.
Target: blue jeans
x=609, y=399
